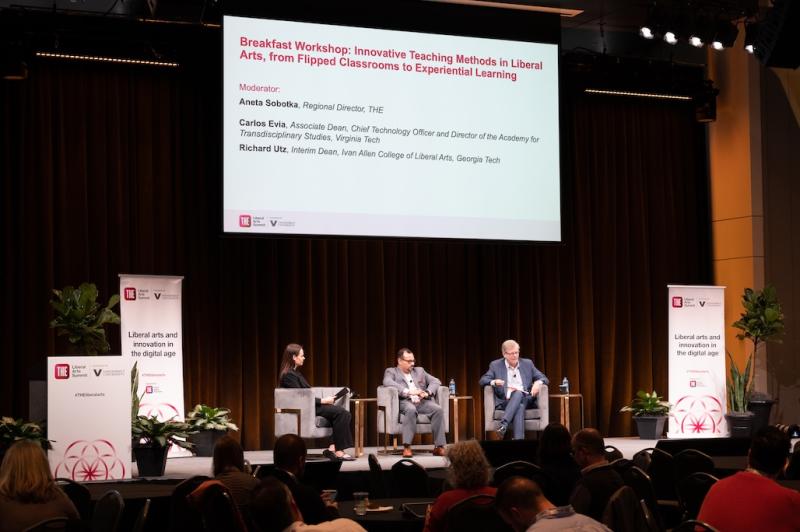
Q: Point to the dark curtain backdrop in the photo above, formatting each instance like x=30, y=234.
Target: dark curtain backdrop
x=108, y=169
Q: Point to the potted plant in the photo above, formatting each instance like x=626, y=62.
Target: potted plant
x=650, y=412
x=12, y=430
x=80, y=318
x=152, y=441
x=761, y=321
x=210, y=425
x=739, y=418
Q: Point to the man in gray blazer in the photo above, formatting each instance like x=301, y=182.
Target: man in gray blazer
x=416, y=388
x=516, y=383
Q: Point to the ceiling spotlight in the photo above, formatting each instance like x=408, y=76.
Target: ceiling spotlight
x=670, y=38
x=646, y=32
x=696, y=41
x=725, y=35
x=750, y=36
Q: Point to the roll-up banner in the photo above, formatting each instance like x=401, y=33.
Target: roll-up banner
x=697, y=361
x=152, y=336
x=88, y=417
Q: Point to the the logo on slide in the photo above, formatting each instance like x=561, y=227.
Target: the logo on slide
x=148, y=389
x=130, y=293
x=245, y=220
x=61, y=371
x=677, y=302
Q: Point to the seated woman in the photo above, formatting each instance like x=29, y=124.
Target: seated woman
x=229, y=468
x=468, y=475
x=555, y=459
x=339, y=418
x=28, y=493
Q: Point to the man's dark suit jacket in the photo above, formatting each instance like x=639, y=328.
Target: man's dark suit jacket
x=593, y=491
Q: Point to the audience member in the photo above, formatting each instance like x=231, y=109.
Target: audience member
x=273, y=509
x=751, y=499
x=522, y=505
x=555, y=459
x=468, y=475
x=290, y=462
x=28, y=493
x=229, y=468
x=598, y=480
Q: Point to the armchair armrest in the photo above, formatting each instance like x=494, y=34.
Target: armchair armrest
x=544, y=404
x=488, y=408
x=295, y=411
x=443, y=400
x=388, y=410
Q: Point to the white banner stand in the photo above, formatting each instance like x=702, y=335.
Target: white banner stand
x=88, y=417
x=697, y=361
x=152, y=335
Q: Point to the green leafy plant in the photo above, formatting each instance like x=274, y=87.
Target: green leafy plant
x=204, y=417
x=136, y=399
x=12, y=430
x=739, y=385
x=648, y=404
x=156, y=433
x=761, y=321
x=80, y=318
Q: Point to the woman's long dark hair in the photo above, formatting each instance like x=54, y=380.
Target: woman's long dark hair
x=287, y=362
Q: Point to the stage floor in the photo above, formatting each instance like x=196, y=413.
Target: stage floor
x=185, y=467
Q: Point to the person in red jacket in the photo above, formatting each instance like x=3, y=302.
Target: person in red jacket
x=752, y=499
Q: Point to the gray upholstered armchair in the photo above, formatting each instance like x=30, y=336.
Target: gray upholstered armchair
x=295, y=411
x=389, y=417
x=536, y=419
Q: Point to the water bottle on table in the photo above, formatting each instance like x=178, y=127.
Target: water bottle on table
x=564, y=386
x=452, y=387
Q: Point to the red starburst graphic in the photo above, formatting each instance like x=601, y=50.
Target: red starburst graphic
x=698, y=414
x=96, y=460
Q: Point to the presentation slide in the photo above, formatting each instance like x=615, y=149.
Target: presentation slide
x=334, y=130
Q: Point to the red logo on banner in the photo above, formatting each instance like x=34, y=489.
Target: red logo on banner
x=61, y=371
x=95, y=460
x=130, y=293
x=148, y=389
x=245, y=220
x=692, y=384
x=677, y=302
x=698, y=415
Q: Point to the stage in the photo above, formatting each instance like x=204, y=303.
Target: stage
x=181, y=468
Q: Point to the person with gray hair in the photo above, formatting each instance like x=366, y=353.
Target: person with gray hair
x=516, y=383
x=467, y=475
x=524, y=507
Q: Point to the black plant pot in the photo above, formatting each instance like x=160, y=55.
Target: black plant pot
x=650, y=427
x=205, y=440
x=761, y=409
x=151, y=461
x=740, y=424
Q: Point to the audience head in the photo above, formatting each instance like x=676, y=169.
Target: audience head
x=769, y=451
x=555, y=443
x=25, y=474
x=272, y=507
x=518, y=500
x=290, y=453
x=469, y=468
x=228, y=456
x=588, y=447
x=288, y=361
